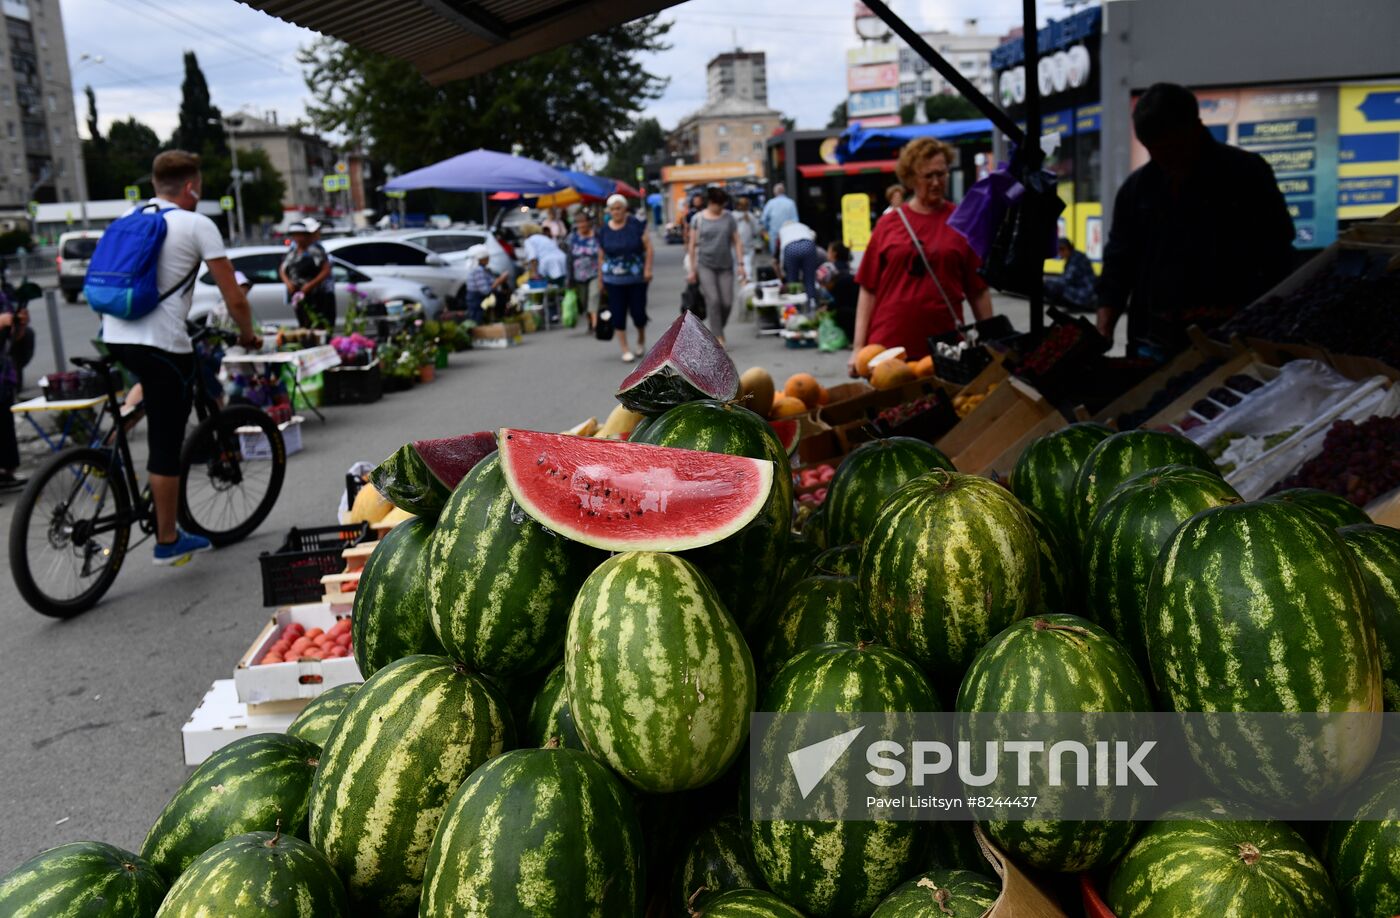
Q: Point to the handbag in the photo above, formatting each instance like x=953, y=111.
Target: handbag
x=602, y=326
x=692, y=300
x=919, y=247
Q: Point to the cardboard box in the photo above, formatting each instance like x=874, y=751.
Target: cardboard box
x=1247, y=363
x=221, y=719
x=1009, y=417
x=1020, y=898
x=1201, y=350
x=260, y=683
x=497, y=335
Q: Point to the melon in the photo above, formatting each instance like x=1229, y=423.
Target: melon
x=787, y=430
x=864, y=356
x=620, y=423
x=891, y=374
x=785, y=406
x=685, y=364
x=420, y=476
x=82, y=879
x=1333, y=508
x=756, y=391
x=370, y=506
x=803, y=387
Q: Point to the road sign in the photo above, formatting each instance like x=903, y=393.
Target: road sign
x=336, y=183
x=855, y=221
x=133, y=193
x=641, y=176
x=341, y=167
x=226, y=202
x=33, y=208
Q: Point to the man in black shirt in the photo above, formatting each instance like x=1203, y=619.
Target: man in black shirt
x=1198, y=233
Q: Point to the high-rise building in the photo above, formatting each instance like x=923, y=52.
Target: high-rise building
x=738, y=74
x=969, y=50
x=40, y=153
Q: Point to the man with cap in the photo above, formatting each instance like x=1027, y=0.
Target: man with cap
x=306, y=270
x=481, y=283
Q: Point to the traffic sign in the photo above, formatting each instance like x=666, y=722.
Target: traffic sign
x=641, y=176
x=396, y=194
x=133, y=193
x=33, y=208
x=226, y=202
x=336, y=183
x=341, y=167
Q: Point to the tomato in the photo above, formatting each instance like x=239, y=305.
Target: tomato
x=315, y=632
x=292, y=657
x=300, y=644
x=272, y=658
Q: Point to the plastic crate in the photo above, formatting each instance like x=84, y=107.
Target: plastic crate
x=353, y=385
x=293, y=573
x=961, y=370
x=252, y=442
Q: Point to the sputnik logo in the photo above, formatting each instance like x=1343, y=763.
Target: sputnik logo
x=811, y=763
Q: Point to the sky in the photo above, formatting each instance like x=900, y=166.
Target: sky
x=249, y=58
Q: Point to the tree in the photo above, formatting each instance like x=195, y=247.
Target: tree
x=839, y=118
x=94, y=131
x=121, y=158
x=263, y=185
x=201, y=127
x=949, y=107
x=646, y=138
x=787, y=123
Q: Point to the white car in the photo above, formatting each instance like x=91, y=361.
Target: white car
x=269, y=297
x=379, y=256
x=74, y=254
x=453, y=243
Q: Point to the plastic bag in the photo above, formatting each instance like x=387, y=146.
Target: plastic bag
x=568, y=308
x=692, y=300
x=830, y=337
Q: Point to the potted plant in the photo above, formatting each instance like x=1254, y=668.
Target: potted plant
x=424, y=352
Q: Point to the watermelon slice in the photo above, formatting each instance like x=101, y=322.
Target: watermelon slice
x=420, y=476
x=621, y=496
x=787, y=431
x=686, y=364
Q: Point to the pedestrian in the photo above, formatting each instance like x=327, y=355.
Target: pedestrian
x=715, y=250
x=1074, y=288
x=581, y=247
x=624, y=271
x=842, y=286
x=547, y=261
x=481, y=283
x=16, y=350
x=693, y=207
x=749, y=230
x=779, y=210
x=916, y=270
x=156, y=348
x=306, y=270
x=1199, y=232
x=654, y=201
x=895, y=196
x=553, y=223
x=799, y=256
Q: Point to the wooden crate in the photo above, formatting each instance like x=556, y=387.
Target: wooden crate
x=1008, y=418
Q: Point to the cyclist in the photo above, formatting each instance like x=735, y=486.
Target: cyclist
x=156, y=348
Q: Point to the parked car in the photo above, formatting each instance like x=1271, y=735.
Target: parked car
x=269, y=295
x=74, y=253
x=378, y=256
x=453, y=243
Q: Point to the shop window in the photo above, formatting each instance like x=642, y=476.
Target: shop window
x=722, y=130
x=724, y=148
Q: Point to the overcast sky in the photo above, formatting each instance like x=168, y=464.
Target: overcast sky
x=249, y=58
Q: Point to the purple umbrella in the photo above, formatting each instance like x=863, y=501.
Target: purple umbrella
x=484, y=170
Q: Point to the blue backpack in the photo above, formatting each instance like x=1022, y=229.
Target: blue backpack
x=122, y=278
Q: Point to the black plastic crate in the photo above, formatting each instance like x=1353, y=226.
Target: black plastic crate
x=293, y=573
x=352, y=385
x=964, y=369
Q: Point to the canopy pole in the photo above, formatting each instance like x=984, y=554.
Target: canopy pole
x=484, y=221
x=1032, y=156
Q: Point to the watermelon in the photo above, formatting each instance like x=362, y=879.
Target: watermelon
x=839, y=867
x=799, y=561
x=623, y=496
x=818, y=610
x=1056, y=567
x=950, y=893
x=500, y=584
x=953, y=844
x=659, y=678
x=1377, y=553
x=1122, y=456
x=258, y=875
x=1259, y=607
x=1361, y=848
x=841, y=560
x=687, y=363
x=1127, y=535
x=1049, y=664
x=787, y=431
x=741, y=567
x=254, y=783
x=1333, y=508
x=719, y=859
x=1196, y=860
x=1043, y=477
x=550, y=717
x=421, y=475
x=81, y=879
x=315, y=721
x=809, y=525
x=867, y=477
x=746, y=903
x=406, y=741
x=951, y=561
x=536, y=832
x=391, y=600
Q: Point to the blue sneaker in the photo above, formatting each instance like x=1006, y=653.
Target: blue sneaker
x=182, y=550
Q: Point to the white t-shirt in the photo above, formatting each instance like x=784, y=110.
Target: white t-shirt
x=190, y=238
x=546, y=251
x=793, y=232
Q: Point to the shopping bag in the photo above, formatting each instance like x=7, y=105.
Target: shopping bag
x=830, y=337
x=603, y=328
x=692, y=300
x=568, y=308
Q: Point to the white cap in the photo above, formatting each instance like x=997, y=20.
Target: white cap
x=312, y=224
x=241, y=279
x=478, y=252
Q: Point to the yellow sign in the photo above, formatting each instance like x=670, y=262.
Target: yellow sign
x=1368, y=150
x=827, y=151
x=855, y=221
x=709, y=172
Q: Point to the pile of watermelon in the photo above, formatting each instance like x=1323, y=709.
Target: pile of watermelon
x=564, y=647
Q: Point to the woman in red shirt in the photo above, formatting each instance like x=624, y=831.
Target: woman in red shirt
x=900, y=305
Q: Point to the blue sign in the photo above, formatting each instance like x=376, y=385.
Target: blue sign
x=1301, y=210
x=1296, y=185
x=1057, y=34
x=1089, y=119
x=1221, y=132
x=1370, y=189
x=1290, y=159
x=1292, y=130
x=878, y=102
x=1380, y=106
x=1368, y=148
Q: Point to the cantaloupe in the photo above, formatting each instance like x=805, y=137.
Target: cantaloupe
x=785, y=406
x=863, y=357
x=891, y=374
x=756, y=391
x=370, y=506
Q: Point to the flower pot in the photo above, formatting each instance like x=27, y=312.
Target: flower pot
x=426, y=372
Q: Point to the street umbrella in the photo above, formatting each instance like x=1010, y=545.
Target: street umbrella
x=486, y=171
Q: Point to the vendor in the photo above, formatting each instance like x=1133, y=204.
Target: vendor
x=917, y=271
x=306, y=270
x=1073, y=289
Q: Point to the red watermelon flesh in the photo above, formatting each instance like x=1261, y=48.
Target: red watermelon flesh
x=686, y=364
x=787, y=430
x=449, y=459
x=621, y=496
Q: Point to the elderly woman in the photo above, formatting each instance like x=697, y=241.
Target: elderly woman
x=715, y=250
x=306, y=270
x=917, y=271
x=624, y=270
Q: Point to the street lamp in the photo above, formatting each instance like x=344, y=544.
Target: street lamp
x=232, y=125
x=78, y=165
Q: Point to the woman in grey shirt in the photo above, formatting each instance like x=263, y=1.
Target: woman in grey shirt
x=715, y=252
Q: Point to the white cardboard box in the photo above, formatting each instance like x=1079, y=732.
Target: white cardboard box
x=221, y=719
x=261, y=683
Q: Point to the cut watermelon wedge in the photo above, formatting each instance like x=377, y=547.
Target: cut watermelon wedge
x=421, y=475
x=621, y=496
x=787, y=430
x=686, y=364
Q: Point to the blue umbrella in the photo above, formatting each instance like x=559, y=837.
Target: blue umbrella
x=484, y=170
x=861, y=143
x=591, y=186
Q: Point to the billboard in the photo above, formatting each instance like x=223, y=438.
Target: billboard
x=876, y=102
x=872, y=76
x=872, y=54
x=1368, y=150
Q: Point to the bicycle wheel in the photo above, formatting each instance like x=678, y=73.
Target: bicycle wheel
x=224, y=495
x=70, y=532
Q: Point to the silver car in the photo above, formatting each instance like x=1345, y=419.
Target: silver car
x=380, y=256
x=453, y=243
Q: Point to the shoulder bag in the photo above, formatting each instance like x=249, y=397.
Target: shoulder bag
x=919, y=247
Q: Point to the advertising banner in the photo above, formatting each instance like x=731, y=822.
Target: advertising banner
x=1368, y=125
x=878, y=102
x=873, y=76
x=855, y=221
x=872, y=54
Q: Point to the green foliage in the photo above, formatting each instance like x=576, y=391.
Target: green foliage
x=839, y=117
x=262, y=196
x=646, y=138
x=195, y=133
x=121, y=158
x=942, y=107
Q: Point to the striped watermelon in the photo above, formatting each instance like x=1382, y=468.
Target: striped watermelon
x=867, y=477
x=82, y=879
x=839, y=561
x=536, y=832
x=1127, y=535
x=818, y=610
x=741, y=567
x=1058, y=580
x=315, y=721
x=1259, y=607
x=718, y=860
x=1047, y=664
x=943, y=892
x=1044, y=475
x=1332, y=508
x=499, y=584
x=1122, y=456
x=1197, y=861
x=252, y=784
x=550, y=717
x=420, y=476
x=833, y=867
x=798, y=563
x=1377, y=553
x=404, y=744
x=649, y=634
x=952, y=560
x=953, y=844
x=1362, y=852
x=746, y=903
x=258, y=875
x=686, y=363
x=391, y=600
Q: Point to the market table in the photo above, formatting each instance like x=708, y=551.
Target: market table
x=778, y=303
x=71, y=407
x=305, y=363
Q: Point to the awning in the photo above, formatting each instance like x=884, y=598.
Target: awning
x=483, y=170
x=453, y=39
x=858, y=142
x=824, y=170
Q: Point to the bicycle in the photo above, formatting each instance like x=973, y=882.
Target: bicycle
x=72, y=525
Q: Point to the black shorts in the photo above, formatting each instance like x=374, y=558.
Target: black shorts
x=166, y=394
x=627, y=299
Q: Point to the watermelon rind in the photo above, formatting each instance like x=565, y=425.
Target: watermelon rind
x=391, y=600
x=1044, y=475
x=252, y=784
x=1058, y=581
x=80, y=879
x=1333, y=508
x=718, y=859
x=321, y=713
x=258, y=875
x=1377, y=553
x=527, y=456
x=1361, y=846
x=550, y=718
x=866, y=479
x=948, y=893
x=420, y=476
x=536, y=832
x=746, y=903
x=687, y=363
